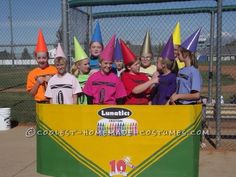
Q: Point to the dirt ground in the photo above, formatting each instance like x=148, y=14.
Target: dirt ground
x=229, y=70
x=18, y=157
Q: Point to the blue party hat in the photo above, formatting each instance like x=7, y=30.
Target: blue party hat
x=97, y=36
x=117, y=52
x=191, y=42
x=168, y=51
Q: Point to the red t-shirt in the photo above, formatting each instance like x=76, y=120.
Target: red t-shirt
x=130, y=82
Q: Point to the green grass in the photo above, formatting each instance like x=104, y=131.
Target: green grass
x=223, y=63
x=21, y=104
x=13, y=76
x=226, y=79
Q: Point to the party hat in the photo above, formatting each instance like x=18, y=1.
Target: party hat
x=177, y=35
x=168, y=51
x=146, y=47
x=191, y=42
x=41, y=45
x=97, y=36
x=128, y=55
x=117, y=52
x=59, y=52
x=107, y=53
x=79, y=52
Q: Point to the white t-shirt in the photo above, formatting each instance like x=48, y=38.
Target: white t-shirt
x=61, y=88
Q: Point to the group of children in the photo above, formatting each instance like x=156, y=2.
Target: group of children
x=130, y=79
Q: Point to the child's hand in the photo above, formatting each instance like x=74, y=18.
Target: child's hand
x=40, y=79
x=174, y=97
x=155, y=78
x=47, y=77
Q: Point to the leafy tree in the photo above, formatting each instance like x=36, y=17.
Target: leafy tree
x=6, y=55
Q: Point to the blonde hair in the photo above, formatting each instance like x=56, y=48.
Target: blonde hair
x=74, y=69
x=171, y=65
x=60, y=59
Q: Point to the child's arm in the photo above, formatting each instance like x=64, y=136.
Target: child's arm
x=142, y=87
x=189, y=96
x=75, y=98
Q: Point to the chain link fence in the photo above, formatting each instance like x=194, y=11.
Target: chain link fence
x=20, y=22
x=131, y=22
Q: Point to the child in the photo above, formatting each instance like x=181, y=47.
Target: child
x=118, y=59
x=137, y=84
x=146, y=57
x=167, y=79
x=62, y=87
x=104, y=87
x=38, y=78
x=81, y=69
x=188, y=78
x=95, y=47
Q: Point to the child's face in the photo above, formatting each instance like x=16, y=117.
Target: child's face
x=95, y=49
x=119, y=65
x=105, y=66
x=84, y=66
x=135, y=67
x=42, y=59
x=159, y=64
x=181, y=56
x=61, y=67
x=176, y=51
x=146, y=60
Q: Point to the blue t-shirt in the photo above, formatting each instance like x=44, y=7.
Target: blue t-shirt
x=188, y=79
x=94, y=63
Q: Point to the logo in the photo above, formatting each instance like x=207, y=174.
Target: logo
x=116, y=122
x=119, y=167
x=114, y=113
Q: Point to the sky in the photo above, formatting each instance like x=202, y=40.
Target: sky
x=30, y=15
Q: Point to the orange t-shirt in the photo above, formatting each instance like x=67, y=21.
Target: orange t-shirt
x=31, y=80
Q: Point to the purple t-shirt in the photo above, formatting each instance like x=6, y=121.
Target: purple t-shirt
x=104, y=89
x=165, y=88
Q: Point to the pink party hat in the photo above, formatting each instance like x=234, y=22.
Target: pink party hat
x=59, y=52
x=107, y=53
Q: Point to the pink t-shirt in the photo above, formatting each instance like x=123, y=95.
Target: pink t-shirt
x=61, y=89
x=104, y=89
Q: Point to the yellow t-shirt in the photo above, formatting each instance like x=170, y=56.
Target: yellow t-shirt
x=180, y=64
x=149, y=70
x=31, y=80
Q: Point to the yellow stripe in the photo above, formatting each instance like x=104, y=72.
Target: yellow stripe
x=173, y=144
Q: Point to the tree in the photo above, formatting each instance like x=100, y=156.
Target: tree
x=25, y=54
x=5, y=55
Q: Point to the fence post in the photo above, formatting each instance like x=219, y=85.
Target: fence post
x=218, y=73
x=11, y=30
x=65, y=31
x=210, y=76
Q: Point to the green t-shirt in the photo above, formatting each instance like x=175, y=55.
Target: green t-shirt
x=82, y=78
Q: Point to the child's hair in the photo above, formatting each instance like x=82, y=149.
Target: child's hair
x=131, y=63
x=74, y=69
x=171, y=65
x=191, y=56
x=60, y=59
